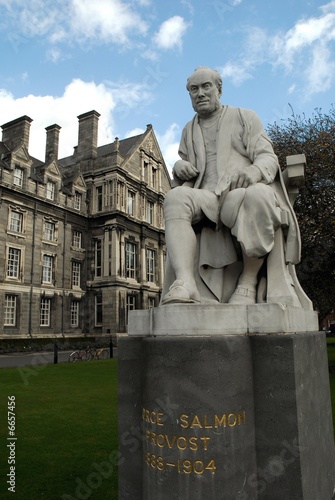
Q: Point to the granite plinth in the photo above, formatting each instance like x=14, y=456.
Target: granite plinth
x=231, y=417
x=221, y=319
x=211, y=409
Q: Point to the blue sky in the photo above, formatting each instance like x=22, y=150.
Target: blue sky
x=129, y=60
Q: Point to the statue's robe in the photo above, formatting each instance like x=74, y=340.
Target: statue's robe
x=241, y=141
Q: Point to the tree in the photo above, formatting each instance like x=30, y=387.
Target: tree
x=315, y=205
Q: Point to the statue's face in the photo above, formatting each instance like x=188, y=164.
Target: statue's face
x=204, y=93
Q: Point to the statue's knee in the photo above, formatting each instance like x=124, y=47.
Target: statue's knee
x=177, y=204
x=176, y=196
x=258, y=194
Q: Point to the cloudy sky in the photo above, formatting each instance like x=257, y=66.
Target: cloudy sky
x=129, y=60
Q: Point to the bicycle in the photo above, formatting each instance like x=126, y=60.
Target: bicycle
x=101, y=353
x=81, y=355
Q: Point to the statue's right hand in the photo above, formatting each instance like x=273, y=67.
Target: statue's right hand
x=184, y=170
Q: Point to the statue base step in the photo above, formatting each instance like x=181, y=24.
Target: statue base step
x=222, y=319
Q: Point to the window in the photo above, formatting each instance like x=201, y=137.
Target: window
x=151, y=302
x=51, y=189
x=49, y=231
x=77, y=201
x=120, y=194
x=18, y=176
x=97, y=258
x=14, y=263
x=75, y=274
x=150, y=212
x=76, y=239
x=131, y=203
x=48, y=268
x=98, y=192
x=110, y=259
x=150, y=264
x=130, y=260
x=131, y=305
x=45, y=312
x=74, y=313
x=98, y=309
x=153, y=177
x=10, y=310
x=16, y=221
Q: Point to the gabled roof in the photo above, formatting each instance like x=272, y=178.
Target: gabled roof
x=125, y=147
x=70, y=175
x=5, y=158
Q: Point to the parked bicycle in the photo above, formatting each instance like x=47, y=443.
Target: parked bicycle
x=101, y=353
x=89, y=354
x=81, y=355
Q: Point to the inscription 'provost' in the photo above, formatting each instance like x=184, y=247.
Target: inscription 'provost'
x=212, y=421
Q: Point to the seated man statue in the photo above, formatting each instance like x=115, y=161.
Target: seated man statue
x=226, y=205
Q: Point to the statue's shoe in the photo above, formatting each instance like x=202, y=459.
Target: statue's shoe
x=178, y=293
x=243, y=295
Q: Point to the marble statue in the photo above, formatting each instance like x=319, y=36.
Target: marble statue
x=231, y=232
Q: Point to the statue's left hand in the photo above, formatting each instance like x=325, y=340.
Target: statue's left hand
x=245, y=177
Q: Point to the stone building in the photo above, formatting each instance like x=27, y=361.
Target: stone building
x=82, y=237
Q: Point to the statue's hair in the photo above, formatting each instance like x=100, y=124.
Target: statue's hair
x=216, y=77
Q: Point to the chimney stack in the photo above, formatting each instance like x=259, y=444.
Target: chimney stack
x=88, y=135
x=16, y=132
x=51, y=148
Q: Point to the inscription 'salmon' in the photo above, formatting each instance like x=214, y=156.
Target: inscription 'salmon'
x=156, y=439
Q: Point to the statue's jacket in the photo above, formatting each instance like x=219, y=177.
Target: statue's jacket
x=241, y=140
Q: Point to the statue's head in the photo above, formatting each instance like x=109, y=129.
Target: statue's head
x=205, y=89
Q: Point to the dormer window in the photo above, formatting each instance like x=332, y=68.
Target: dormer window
x=50, y=191
x=18, y=176
x=77, y=201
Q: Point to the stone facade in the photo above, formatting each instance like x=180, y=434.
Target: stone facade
x=81, y=238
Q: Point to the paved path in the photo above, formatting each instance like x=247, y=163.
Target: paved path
x=35, y=358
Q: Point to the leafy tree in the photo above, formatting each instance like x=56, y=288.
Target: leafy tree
x=315, y=204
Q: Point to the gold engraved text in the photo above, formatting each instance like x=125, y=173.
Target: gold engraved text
x=183, y=466
x=212, y=422
x=192, y=443
x=153, y=417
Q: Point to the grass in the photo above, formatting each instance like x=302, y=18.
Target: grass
x=66, y=429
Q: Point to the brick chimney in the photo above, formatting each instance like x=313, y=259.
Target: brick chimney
x=88, y=135
x=16, y=132
x=51, y=148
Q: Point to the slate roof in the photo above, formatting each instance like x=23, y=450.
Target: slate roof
x=126, y=148
x=68, y=165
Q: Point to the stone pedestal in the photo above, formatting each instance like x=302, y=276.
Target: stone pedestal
x=224, y=417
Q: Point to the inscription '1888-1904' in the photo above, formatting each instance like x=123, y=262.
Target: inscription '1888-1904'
x=157, y=441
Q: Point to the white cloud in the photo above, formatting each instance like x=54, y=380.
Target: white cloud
x=292, y=88
x=306, y=48
x=107, y=20
x=78, y=97
x=171, y=32
x=237, y=73
x=133, y=132
x=321, y=71
x=304, y=51
x=169, y=144
x=75, y=21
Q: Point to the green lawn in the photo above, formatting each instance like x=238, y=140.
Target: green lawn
x=66, y=429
